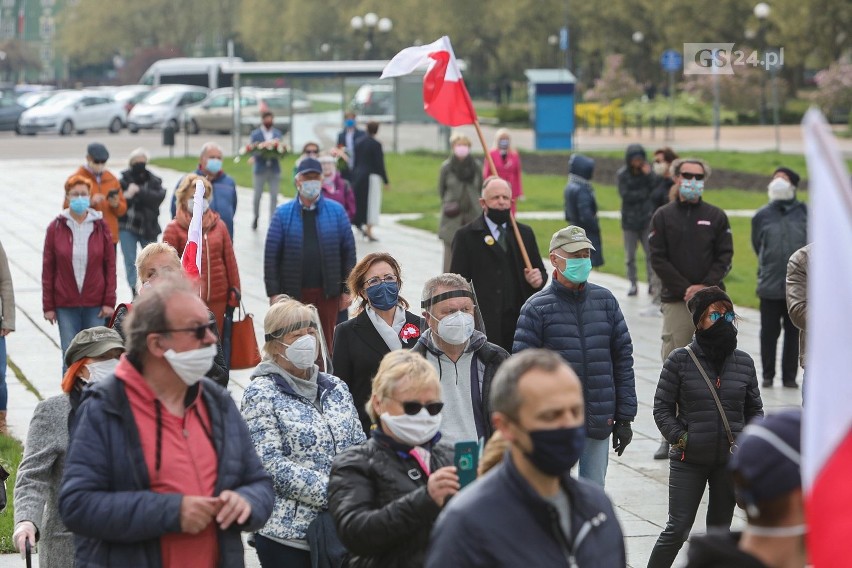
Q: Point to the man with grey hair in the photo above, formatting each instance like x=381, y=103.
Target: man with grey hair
x=465, y=360
x=529, y=511
x=161, y=469
x=140, y=226
x=224, y=198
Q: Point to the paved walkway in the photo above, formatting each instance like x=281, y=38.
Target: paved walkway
x=32, y=192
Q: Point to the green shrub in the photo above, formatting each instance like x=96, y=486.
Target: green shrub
x=512, y=115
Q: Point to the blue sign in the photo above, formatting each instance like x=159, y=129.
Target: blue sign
x=671, y=60
x=563, y=39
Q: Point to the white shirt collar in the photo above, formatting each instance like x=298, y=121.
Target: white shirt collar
x=492, y=226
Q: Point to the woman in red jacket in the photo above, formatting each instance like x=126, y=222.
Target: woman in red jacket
x=78, y=266
x=508, y=164
x=218, y=264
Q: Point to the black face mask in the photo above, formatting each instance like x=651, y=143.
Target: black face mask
x=138, y=170
x=718, y=341
x=499, y=216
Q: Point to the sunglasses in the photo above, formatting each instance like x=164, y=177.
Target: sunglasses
x=412, y=407
x=200, y=331
x=729, y=316
x=690, y=175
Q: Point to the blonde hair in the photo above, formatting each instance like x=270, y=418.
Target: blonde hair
x=397, y=366
x=459, y=138
x=492, y=454
x=186, y=189
x=283, y=316
x=152, y=250
x=501, y=132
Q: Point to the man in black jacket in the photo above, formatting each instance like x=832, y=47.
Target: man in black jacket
x=529, y=511
x=486, y=252
x=691, y=249
x=636, y=182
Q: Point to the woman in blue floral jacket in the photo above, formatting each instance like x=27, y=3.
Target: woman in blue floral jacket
x=299, y=419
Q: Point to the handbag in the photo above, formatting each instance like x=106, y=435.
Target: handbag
x=244, y=351
x=715, y=397
x=451, y=209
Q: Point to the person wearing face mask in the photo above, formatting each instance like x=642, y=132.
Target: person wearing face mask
x=385, y=494
x=383, y=324
x=508, y=164
x=310, y=250
x=265, y=171
x=161, y=469
x=485, y=252
x=663, y=160
x=140, y=226
x=768, y=484
x=778, y=229
x=688, y=410
x=583, y=323
x=219, y=271
x=348, y=138
x=91, y=357
x=529, y=510
x=299, y=419
x=636, y=182
x=224, y=197
x=691, y=248
x=367, y=177
x=465, y=360
x=105, y=190
x=335, y=187
x=459, y=186
x=78, y=266
x=581, y=207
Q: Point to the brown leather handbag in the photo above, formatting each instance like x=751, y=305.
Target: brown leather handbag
x=244, y=351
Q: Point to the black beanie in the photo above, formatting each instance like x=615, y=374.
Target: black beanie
x=794, y=177
x=703, y=299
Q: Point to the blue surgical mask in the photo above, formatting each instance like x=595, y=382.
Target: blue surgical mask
x=503, y=143
x=384, y=295
x=310, y=189
x=79, y=205
x=577, y=270
x=555, y=451
x=214, y=165
x=349, y=123
x=691, y=189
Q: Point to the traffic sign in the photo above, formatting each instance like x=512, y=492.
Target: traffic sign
x=563, y=39
x=671, y=60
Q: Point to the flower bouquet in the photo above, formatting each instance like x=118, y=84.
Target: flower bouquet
x=341, y=158
x=268, y=150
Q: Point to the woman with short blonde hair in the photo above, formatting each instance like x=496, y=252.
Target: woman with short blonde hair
x=507, y=162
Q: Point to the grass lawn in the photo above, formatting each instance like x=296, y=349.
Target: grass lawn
x=11, y=452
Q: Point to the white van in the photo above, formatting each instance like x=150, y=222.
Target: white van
x=198, y=71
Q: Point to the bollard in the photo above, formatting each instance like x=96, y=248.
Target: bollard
x=169, y=139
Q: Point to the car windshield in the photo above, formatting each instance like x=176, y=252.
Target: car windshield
x=60, y=100
x=30, y=99
x=161, y=97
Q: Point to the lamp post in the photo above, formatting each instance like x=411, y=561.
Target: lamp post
x=638, y=37
x=762, y=12
x=370, y=23
x=553, y=42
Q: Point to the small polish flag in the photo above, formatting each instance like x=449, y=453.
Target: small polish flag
x=445, y=97
x=191, y=259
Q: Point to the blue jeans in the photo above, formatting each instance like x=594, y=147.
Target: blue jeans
x=594, y=459
x=129, y=242
x=71, y=322
x=4, y=393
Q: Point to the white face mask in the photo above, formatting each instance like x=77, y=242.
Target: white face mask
x=778, y=532
x=780, y=189
x=660, y=168
x=412, y=430
x=302, y=352
x=99, y=370
x=191, y=365
x=455, y=328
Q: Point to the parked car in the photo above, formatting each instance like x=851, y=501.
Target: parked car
x=373, y=99
x=29, y=100
x=72, y=111
x=216, y=112
x=129, y=95
x=10, y=112
x=164, y=106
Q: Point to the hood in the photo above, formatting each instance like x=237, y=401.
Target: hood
x=719, y=550
x=94, y=215
x=581, y=166
x=633, y=151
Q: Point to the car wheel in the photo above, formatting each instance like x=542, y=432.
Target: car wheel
x=133, y=129
x=115, y=125
x=67, y=128
x=193, y=127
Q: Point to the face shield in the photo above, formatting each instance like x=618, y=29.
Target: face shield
x=323, y=358
x=431, y=305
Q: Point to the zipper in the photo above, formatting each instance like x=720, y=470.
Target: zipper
x=207, y=248
x=584, y=531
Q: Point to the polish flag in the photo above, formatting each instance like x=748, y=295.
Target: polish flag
x=445, y=97
x=827, y=427
x=191, y=259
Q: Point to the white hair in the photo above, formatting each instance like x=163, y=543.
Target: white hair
x=210, y=146
x=138, y=153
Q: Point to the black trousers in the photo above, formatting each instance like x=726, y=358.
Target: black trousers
x=686, y=488
x=772, y=314
x=276, y=555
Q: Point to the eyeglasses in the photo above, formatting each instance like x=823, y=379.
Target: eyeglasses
x=690, y=175
x=729, y=316
x=412, y=407
x=376, y=280
x=311, y=152
x=200, y=331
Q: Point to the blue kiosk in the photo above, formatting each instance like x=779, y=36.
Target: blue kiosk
x=551, y=94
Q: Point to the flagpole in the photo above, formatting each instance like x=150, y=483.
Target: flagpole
x=488, y=157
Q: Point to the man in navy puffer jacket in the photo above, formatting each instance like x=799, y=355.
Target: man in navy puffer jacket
x=583, y=322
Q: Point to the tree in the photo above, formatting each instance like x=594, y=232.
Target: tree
x=17, y=57
x=615, y=83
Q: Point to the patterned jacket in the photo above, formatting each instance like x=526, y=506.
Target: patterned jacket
x=297, y=443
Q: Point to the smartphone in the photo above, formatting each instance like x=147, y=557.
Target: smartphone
x=466, y=461
x=112, y=194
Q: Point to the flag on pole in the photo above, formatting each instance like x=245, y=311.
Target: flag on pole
x=445, y=96
x=827, y=427
x=191, y=259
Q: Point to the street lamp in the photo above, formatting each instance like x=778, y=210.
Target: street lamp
x=762, y=12
x=638, y=37
x=370, y=22
x=553, y=42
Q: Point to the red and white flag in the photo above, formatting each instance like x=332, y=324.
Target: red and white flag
x=191, y=259
x=445, y=96
x=827, y=428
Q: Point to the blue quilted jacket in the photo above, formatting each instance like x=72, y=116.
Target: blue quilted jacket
x=282, y=258
x=587, y=328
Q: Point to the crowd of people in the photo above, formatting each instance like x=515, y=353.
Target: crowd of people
x=347, y=448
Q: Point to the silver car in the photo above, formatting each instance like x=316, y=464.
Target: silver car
x=73, y=111
x=216, y=113
x=164, y=106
